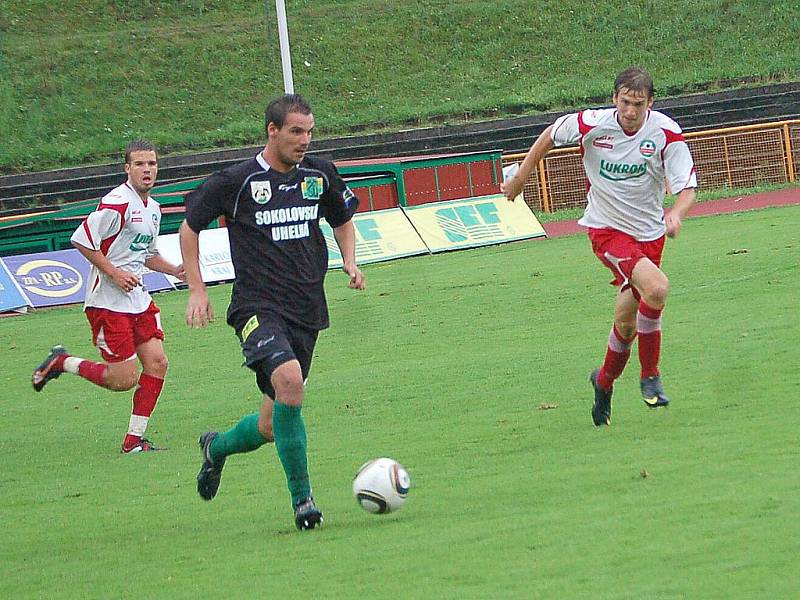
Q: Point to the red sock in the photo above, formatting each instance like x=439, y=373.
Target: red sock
x=619, y=349
x=93, y=371
x=648, y=326
x=58, y=363
x=144, y=402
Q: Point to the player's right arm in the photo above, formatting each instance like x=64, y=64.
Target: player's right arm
x=543, y=144
x=203, y=205
x=88, y=238
x=198, y=308
x=122, y=278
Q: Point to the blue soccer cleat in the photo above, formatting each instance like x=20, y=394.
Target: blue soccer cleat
x=601, y=411
x=653, y=392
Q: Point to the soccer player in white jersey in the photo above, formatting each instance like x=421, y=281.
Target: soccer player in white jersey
x=119, y=240
x=631, y=156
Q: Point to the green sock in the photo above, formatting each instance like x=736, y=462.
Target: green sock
x=290, y=440
x=242, y=437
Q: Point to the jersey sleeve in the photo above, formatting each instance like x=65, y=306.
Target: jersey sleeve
x=339, y=203
x=566, y=130
x=678, y=163
x=98, y=226
x=212, y=199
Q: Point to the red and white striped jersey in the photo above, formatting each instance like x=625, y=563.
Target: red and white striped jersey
x=125, y=229
x=627, y=174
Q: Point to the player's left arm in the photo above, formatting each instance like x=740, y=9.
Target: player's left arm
x=158, y=263
x=681, y=175
x=674, y=218
x=339, y=204
x=346, y=239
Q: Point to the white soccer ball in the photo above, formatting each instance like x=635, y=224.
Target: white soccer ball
x=381, y=485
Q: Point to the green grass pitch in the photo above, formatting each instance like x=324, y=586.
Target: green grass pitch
x=444, y=364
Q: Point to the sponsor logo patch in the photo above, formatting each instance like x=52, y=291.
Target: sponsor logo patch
x=621, y=171
x=348, y=196
x=140, y=242
x=604, y=141
x=249, y=327
x=311, y=188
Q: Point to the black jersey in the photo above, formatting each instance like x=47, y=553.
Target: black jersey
x=277, y=247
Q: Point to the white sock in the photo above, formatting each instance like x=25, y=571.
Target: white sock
x=71, y=364
x=137, y=425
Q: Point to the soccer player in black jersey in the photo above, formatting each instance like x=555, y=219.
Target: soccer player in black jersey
x=272, y=204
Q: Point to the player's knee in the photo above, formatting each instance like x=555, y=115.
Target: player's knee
x=288, y=385
x=122, y=382
x=158, y=366
x=656, y=293
x=265, y=429
x=627, y=329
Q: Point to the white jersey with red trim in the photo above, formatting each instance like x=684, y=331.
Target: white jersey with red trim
x=627, y=174
x=125, y=229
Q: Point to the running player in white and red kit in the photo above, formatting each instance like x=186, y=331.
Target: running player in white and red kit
x=119, y=240
x=631, y=156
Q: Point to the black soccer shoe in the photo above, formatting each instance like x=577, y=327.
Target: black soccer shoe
x=601, y=411
x=306, y=514
x=47, y=371
x=211, y=471
x=653, y=392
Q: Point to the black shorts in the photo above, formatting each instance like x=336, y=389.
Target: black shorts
x=268, y=341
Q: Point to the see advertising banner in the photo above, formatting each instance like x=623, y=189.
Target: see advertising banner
x=380, y=235
x=215, y=254
x=473, y=222
x=11, y=297
x=53, y=278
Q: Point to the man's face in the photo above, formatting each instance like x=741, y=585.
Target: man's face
x=632, y=109
x=291, y=141
x=142, y=170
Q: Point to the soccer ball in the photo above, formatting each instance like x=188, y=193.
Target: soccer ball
x=381, y=485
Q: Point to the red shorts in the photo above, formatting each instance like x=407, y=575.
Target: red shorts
x=117, y=334
x=620, y=252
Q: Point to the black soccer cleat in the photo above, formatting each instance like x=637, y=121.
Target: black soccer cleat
x=601, y=411
x=653, y=392
x=306, y=514
x=47, y=371
x=211, y=471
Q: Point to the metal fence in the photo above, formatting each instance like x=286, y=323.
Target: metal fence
x=734, y=157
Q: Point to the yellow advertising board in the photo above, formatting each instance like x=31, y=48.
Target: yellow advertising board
x=473, y=222
x=380, y=235
x=393, y=233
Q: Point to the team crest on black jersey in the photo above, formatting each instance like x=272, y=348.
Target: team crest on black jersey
x=261, y=191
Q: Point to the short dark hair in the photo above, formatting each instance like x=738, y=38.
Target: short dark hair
x=139, y=146
x=280, y=107
x=634, y=79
